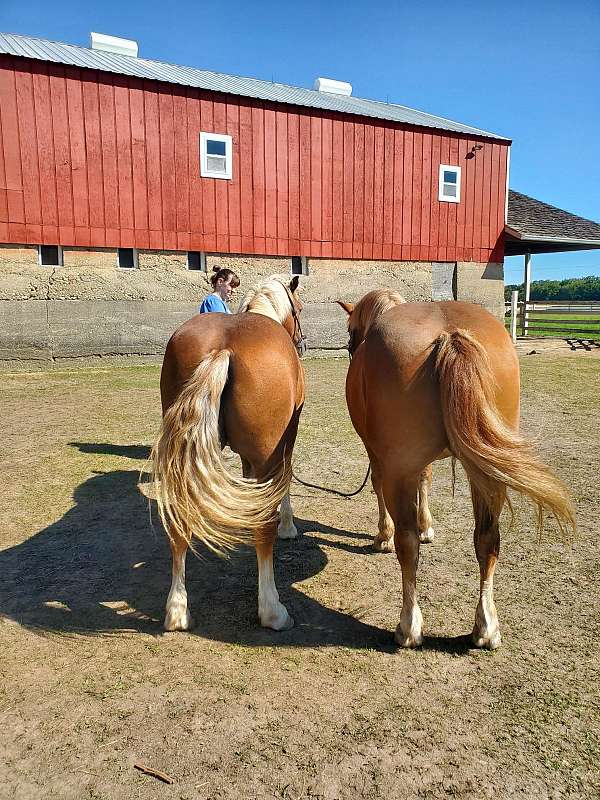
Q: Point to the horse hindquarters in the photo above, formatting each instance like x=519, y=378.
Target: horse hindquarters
x=495, y=457
x=197, y=495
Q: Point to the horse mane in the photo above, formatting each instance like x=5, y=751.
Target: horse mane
x=269, y=298
x=372, y=305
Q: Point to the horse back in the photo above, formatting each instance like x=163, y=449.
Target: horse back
x=398, y=399
x=265, y=386
x=409, y=330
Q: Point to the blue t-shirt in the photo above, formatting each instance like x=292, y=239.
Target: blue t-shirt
x=213, y=303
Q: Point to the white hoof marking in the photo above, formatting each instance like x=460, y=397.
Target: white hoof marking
x=286, y=528
x=276, y=618
x=486, y=631
x=487, y=640
x=178, y=618
x=287, y=531
x=426, y=537
x=408, y=640
x=409, y=632
x=383, y=545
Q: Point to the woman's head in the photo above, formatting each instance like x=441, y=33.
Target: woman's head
x=224, y=281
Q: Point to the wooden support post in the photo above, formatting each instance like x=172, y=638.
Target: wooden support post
x=527, y=293
x=514, y=310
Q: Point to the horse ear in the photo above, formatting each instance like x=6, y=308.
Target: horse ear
x=348, y=307
x=294, y=283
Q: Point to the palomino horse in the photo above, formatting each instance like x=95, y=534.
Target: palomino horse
x=428, y=381
x=230, y=380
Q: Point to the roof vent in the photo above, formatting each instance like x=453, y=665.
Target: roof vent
x=333, y=87
x=113, y=44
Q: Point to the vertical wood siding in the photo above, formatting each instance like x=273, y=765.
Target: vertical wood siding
x=89, y=159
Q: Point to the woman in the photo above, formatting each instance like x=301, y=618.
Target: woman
x=224, y=281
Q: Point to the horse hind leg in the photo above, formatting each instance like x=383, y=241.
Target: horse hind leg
x=426, y=532
x=271, y=612
x=401, y=499
x=177, y=615
x=383, y=542
x=486, y=632
x=286, y=528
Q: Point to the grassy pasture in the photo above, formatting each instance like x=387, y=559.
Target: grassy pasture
x=89, y=685
x=578, y=326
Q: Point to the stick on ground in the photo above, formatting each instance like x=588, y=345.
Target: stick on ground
x=154, y=772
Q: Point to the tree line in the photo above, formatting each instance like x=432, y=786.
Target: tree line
x=568, y=289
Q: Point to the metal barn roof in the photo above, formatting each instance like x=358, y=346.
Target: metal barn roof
x=537, y=227
x=73, y=55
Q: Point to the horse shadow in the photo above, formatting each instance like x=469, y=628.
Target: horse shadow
x=104, y=567
x=135, y=451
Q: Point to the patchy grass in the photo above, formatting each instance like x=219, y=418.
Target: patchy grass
x=572, y=325
x=89, y=684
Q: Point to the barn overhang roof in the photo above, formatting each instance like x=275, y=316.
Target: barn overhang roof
x=76, y=56
x=536, y=227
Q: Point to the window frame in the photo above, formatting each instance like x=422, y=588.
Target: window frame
x=205, y=172
x=60, y=261
x=303, y=265
x=202, y=262
x=441, y=196
x=136, y=263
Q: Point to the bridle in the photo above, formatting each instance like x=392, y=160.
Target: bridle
x=351, y=345
x=298, y=336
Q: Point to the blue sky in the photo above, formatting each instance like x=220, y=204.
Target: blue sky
x=529, y=70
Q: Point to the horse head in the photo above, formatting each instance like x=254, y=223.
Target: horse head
x=277, y=297
x=363, y=314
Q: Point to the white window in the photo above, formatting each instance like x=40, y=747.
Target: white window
x=449, y=184
x=299, y=265
x=127, y=258
x=215, y=155
x=50, y=255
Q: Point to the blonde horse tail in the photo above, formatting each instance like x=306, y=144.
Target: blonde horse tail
x=196, y=493
x=490, y=451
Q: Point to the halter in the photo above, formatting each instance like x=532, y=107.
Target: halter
x=351, y=347
x=300, y=341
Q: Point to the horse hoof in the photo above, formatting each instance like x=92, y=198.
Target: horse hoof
x=383, y=545
x=289, y=624
x=487, y=641
x=290, y=532
x=408, y=640
x=177, y=620
x=426, y=537
x=278, y=620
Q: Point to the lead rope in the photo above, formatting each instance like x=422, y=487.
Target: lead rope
x=294, y=476
x=333, y=491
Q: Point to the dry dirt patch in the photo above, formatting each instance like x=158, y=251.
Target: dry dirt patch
x=89, y=684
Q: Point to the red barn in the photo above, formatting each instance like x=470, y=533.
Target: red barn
x=98, y=152
x=129, y=177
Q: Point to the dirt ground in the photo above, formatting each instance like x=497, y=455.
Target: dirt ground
x=546, y=345
x=89, y=684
